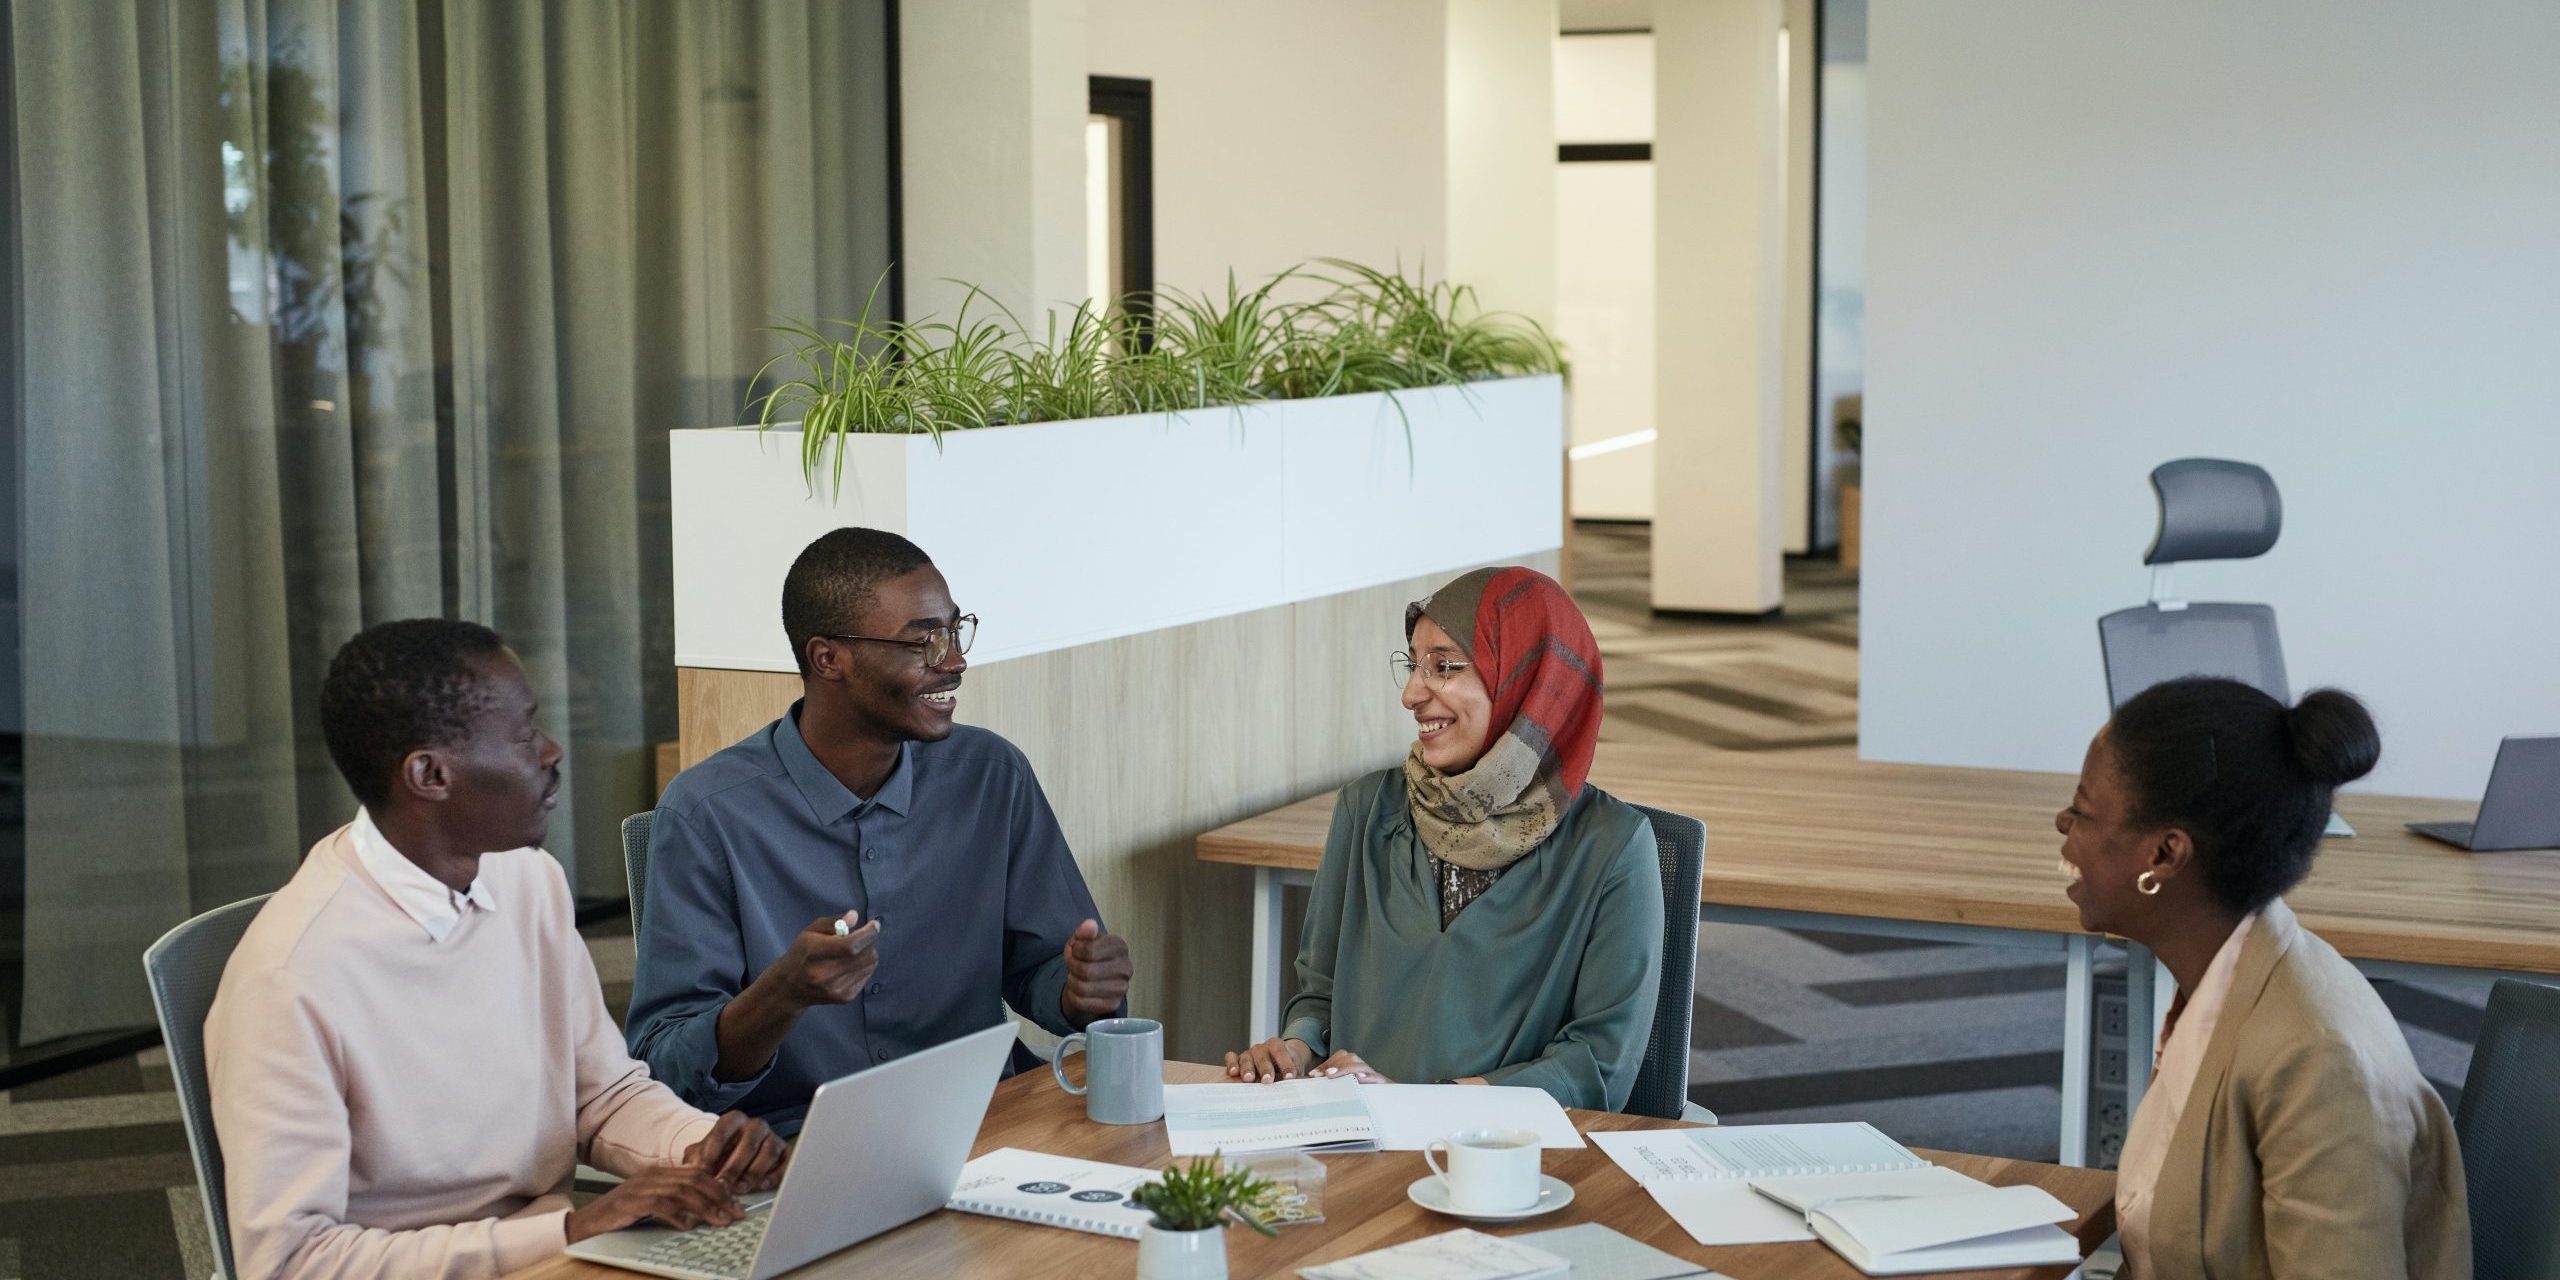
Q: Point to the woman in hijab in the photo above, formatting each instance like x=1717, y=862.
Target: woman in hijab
x=1483, y=915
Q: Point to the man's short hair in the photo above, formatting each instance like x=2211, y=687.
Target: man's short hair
x=398, y=687
x=836, y=578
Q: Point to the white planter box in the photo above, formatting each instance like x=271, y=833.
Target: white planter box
x=1064, y=533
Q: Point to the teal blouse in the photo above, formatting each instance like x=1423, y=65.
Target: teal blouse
x=1546, y=980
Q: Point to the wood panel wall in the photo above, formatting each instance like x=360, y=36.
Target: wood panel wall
x=1144, y=742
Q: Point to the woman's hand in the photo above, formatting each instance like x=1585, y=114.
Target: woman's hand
x=1344, y=1064
x=1273, y=1059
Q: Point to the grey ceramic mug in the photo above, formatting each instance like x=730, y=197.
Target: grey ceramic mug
x=1123, y=1070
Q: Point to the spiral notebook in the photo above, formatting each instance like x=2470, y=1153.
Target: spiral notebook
x=1054, y=1191
x=1704, y=1177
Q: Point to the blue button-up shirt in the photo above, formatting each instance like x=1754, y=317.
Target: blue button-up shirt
x=957, y=856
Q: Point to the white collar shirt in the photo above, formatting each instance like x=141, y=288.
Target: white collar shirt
x=436, y=906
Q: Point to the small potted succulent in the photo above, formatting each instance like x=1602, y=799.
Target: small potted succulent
x=1186, y=1237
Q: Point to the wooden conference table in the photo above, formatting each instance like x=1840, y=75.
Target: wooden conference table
x=1365, y=1208
x=1970, y=855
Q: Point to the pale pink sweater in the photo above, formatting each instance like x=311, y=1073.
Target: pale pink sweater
x=391, y=1103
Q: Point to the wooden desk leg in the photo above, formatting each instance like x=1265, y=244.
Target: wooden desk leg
x=2079, y=1003
x=1267, y=944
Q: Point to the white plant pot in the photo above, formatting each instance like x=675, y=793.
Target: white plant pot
x=1182, y=1255
x=1065, y=533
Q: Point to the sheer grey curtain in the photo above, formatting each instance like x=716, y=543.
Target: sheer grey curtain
x=337, y=311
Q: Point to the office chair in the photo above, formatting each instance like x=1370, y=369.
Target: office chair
x=2509, y=1125
x=2210, y=509
x=184, y=969
x=1662, y=1084
x=635, y=864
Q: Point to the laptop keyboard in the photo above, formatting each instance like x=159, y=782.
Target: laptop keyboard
x=720, y=1253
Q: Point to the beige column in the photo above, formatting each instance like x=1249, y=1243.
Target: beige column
x=1501, y=122
x=1720, y=252
x=992, y=104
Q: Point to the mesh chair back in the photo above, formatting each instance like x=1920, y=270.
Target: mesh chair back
x=2145, y=645
x=2510, y=1130
x=635, y=864
x=184, y=969
x=1662, y=1085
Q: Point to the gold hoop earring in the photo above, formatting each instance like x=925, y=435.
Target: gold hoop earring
x=2149, y=883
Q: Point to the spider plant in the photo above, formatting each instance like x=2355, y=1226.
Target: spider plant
x=1366, y=330
x=848, y=382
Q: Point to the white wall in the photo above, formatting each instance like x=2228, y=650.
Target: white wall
x=2315, y=236
x=1284, y=132
x=1604, y=271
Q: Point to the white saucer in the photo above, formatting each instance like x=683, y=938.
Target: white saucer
x=1433, y=1194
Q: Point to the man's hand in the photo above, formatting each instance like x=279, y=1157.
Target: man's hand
x=1097, y=975
x=743, y=1154
x=1271, y=1060
x=823, y=966
x=677, y=1195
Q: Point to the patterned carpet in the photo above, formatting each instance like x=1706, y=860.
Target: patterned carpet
x=1944, y=1046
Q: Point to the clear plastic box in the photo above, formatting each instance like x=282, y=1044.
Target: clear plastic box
x=1301, y=1180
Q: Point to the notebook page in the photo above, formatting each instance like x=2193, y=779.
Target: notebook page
x=1892, y=1225
x=1807, y=1194
x=1727, y=1211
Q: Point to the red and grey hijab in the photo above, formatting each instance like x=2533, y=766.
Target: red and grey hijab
x=1533, y=649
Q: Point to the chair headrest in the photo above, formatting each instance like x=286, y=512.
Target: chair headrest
x=2214, y=509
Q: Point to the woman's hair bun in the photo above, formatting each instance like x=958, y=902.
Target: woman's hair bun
x=2334, y=741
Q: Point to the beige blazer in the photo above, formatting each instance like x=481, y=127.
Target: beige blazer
x=2311, y=1146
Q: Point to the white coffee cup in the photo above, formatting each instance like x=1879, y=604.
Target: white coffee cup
x=1490, y=1170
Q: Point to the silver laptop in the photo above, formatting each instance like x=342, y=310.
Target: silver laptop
x=2521, y=809
x=880, y=1149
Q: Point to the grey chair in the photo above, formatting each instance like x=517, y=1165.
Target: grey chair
x=1662, y=1085
x=635, y=864
x=2510, y=1130
x=184, y=969
x=2210, y=509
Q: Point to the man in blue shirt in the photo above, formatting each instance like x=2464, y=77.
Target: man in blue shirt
x=866, y=806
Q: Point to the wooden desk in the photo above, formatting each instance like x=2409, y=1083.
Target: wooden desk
x=1970, y=855
x=1365, y=1208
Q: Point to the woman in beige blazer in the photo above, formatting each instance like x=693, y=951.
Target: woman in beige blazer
x=2287, y=1133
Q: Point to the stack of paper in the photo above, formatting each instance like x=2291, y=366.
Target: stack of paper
x=1703, y=1178
x=1455, y=1255
x=1339, y=1115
